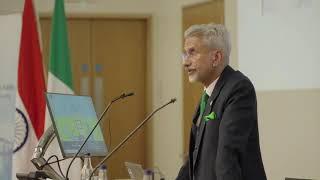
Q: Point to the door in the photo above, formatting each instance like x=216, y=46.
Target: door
x=108, y=57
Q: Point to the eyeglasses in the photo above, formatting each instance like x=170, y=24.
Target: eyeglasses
x=190, y=53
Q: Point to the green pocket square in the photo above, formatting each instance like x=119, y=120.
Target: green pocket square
x=211, y=116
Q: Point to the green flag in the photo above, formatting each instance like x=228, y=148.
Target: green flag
x=60, y=75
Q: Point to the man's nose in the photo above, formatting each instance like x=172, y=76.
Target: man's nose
x=186, y=62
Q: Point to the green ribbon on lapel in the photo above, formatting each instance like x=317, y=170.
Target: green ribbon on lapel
x=211, y=116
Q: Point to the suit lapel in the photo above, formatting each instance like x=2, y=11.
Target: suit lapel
x=196, y=114
x=208, y=109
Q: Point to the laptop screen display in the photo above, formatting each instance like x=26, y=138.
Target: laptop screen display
x=73, y=118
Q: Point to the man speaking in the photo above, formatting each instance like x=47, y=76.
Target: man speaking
x=224, y=138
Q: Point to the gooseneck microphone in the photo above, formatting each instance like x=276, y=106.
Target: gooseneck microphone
x=131, y=134
x=122, y=96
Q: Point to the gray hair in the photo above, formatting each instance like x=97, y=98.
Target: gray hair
x=214, y=35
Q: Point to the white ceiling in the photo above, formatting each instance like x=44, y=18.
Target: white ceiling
x=14, y=6
x=10, y=6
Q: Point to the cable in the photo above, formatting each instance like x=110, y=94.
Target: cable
x=110, y=133
x=48, y=163
x=58, y=161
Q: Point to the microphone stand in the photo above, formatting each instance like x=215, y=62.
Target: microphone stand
x=130, y=135
x=122, y=96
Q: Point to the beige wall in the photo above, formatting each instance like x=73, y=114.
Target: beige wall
x=289, y=130
x=230, y=9
x=288, y=122
x=9, y=6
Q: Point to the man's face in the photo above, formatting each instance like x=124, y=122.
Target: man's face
x=198, y=60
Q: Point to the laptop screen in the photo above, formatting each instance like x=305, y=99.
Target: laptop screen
x=73, y=118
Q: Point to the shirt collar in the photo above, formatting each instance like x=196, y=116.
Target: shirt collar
x=210, y=88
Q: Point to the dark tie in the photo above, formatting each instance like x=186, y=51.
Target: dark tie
x=203, y=102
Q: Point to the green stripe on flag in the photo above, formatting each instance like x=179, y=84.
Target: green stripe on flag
x=59, y=50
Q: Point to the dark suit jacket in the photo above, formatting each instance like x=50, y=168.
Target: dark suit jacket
x=227, y=147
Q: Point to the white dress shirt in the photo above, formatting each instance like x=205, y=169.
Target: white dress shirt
x=209, y=91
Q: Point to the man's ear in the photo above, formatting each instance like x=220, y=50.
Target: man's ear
x=217, y=57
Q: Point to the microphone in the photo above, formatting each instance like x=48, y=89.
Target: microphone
x=122, y=96
x=131, y=134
